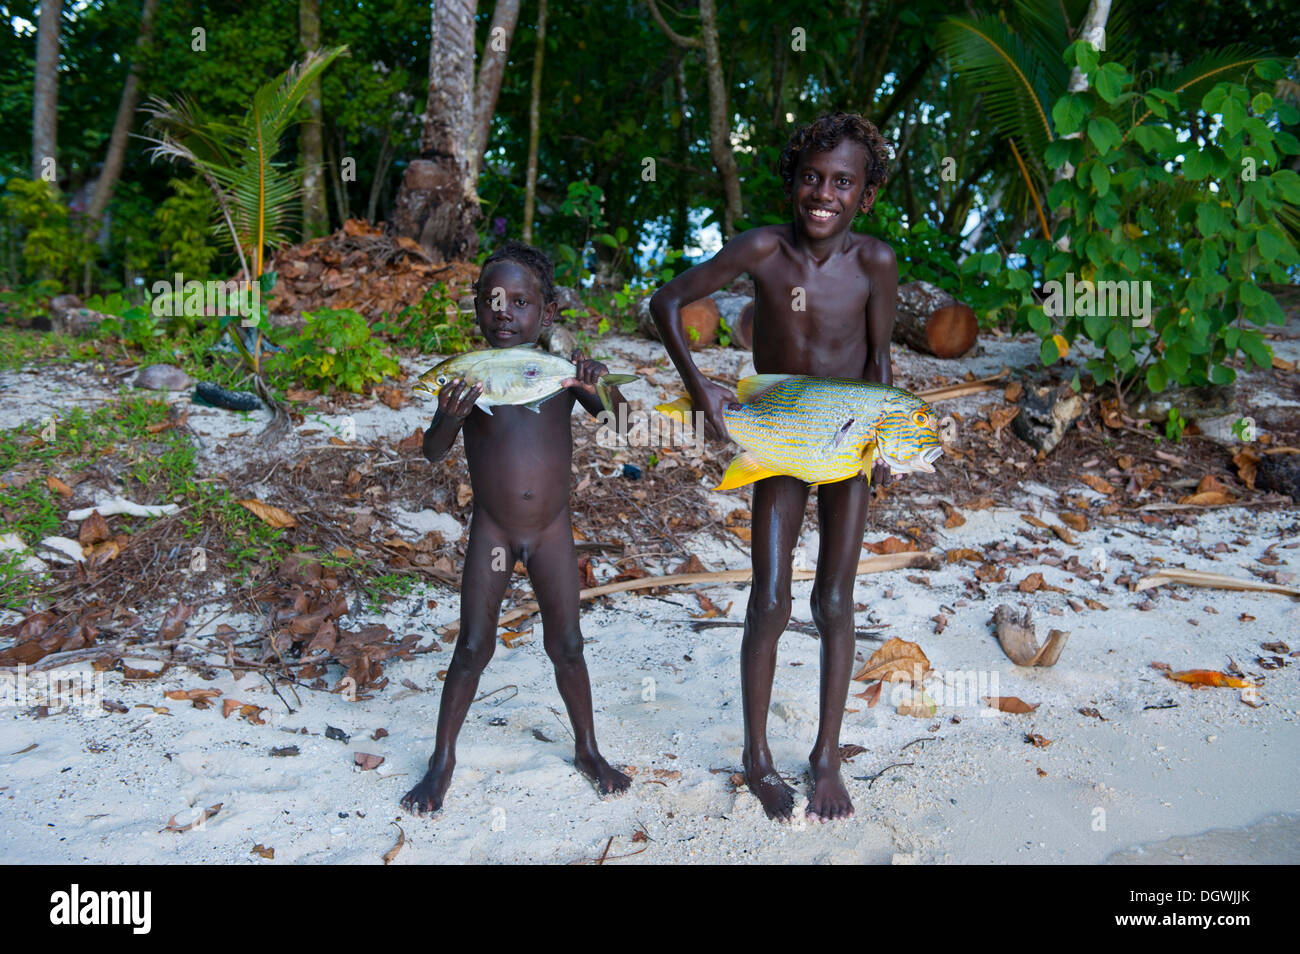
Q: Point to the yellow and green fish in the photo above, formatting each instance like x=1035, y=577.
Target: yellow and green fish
x=823, y=430
x=521, y=375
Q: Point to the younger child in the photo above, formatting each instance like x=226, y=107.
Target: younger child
x=519, y=465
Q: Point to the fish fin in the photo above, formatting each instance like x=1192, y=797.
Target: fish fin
x=484, y=407
x=745, y=469
x=677, y=410
x=842, y=433
x=607, y=381
x=869, y=458
x=613, y=380
x=834, y=480
x=751, y=387
x=534, y=406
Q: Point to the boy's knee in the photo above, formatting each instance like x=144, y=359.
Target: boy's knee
x=769, y=607
x=565, y=650
x=831, y=608
x=474, y=651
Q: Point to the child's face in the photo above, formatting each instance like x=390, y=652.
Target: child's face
x=510, y=306
x=829, y=189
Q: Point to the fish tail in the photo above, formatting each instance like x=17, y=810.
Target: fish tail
x=678, y=410
x=607, y=381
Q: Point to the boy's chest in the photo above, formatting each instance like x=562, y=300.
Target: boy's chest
x=832, y=297
x=515, y=426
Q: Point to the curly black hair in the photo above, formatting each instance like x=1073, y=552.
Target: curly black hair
x=829, y=131
x=533, y=259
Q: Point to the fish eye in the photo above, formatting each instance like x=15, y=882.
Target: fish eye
x=442, y=379
x=920, y=418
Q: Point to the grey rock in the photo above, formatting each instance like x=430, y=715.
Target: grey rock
x=558, y=339
x=1279, y=474
x=1046, y=413
x=567, y=298
x=163, y=377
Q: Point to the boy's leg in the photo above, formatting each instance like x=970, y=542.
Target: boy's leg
x=777, y=516
x=489, y=560
x=842, y=517
x=553, y=570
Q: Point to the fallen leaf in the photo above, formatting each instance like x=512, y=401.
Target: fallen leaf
x=201, y=698
x=744, y=533
x=850, y=752
x=391, y=853
x=1013, y=392
x=1247, y=461
x=58, y=486
x=920, y=706
x=367, y=761
x=1076, y=520
x=1036, y=740
x=1097, y=483
x=93, y=530
x=173, y=621
x=1209, y=498
x=953, y=515
x=895, y=661
x=871, y=694
x=1208, y=677
x=890, y=545
x=963, y=553
x=1091, y=711
x=1011, y=704
x=464, y=494
x=269, y=515
x=268, y=853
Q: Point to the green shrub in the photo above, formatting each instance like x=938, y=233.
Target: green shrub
x=52, y=244
x=184, y=223
x=334, y=349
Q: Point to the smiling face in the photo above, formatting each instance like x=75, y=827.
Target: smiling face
x=510, y=305
x=829, y=189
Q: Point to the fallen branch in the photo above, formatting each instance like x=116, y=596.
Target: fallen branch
x=876, y=564
x=948, y=392
x=1216, y=581
x=1017, y=638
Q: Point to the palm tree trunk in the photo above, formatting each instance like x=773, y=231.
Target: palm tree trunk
x=534, y=124
x=724, y=157
x=437, y=204
x=315, y=213
x=45, y=96
x=495, y=54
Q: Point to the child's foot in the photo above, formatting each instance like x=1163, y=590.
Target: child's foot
x=607, y=779
x=427, y=796
x=776, y=797
x=829, y=800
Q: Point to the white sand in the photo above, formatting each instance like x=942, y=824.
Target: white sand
x=83, y=786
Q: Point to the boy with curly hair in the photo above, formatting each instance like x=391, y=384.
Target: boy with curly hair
x=824, y=300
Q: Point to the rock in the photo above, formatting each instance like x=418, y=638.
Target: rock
x=163, y=377
x=1194, y=404
x=733, y=308
x=13, y=543
x=789, y=712
x=62, y=549
x=558, y=339
x=60, y=307
x=1046, y=413
x=567, y=299
x=1279, y=474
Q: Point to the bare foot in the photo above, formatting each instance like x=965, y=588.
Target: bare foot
x=765, y=782
x=427, y=796
x=829, y=800
x=607, y=779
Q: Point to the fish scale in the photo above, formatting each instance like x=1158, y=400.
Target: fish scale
x=823, y=430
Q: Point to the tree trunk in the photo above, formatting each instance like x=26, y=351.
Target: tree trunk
x=45, y=96
x=437, y=204
x=931, y=321
x=680, y=228
x=386, y=152
x=495, y=53
x=1094, y=31
x=315, y=214
x=534, y=124
x=720, y=122
x=122, y=125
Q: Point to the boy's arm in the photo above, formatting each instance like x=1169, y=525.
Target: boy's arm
x=739, y=255
x=455, y=402
x=588, y=372
x=882, y=269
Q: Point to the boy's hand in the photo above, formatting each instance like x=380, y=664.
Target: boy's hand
x=712, y=400
x=456, y=398
x=588, y=371
x=880, y=474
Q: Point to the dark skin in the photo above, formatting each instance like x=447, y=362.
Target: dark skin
x=849, y=284
x=519, y=465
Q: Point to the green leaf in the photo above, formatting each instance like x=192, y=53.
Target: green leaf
x=1234, y=113
x=1271, y=245
x=1100, y=178
x=1048, y=353
x=1105, y=135
x=1069, y=113
x=1211, y=218
x=1117, y=342
x=1110, y=81
x=1157, y=379
x=1262, y=103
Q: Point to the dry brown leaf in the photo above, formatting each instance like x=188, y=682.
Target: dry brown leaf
x=1208, y=498
x=963, y=553
x=1246, y=460
x=253, y=713
x=94, y=529
x=464, y=494
x=1076, y=520
x=890, y=545
x=1036, y=740
x=921, y=705
x=367, y=761
x=58, y=486
x=269, y=515
x=1209, y=677
x=953, y=515
x=265, y=852
x=391, y=853
x=744, y=533
x=849, y=752
x=871, y=694
x=1097, y=484
x=173, y=621
x=201, y=698
x=895, y=661
x=979, y=503
x=1011, y=704
x=1013, y=392
x=1035, y=521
